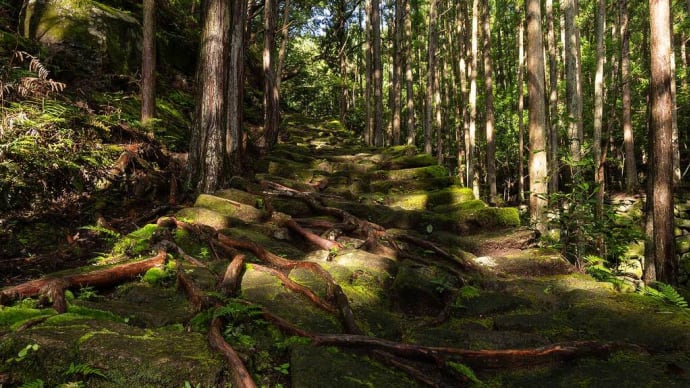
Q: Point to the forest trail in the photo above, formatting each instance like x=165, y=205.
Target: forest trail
x=326, y=263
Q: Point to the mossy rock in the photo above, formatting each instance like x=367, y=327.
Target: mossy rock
x=316, y=367
x=291, y=183
x=474, y=204
x=285, y=168
x=204, y=216
x=144, y=305
x=682, y=244
x=407, y=186
x=419, y=290
x=126, y=355
x=231, y=209
x=88, y=33
x=418, y=160
x=411, y=173
x=265, y=289
x=240, y=196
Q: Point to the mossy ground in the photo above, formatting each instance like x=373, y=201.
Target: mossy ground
x=144, y=333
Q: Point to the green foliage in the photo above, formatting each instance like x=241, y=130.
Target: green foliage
x=84, y=371
x=38, y=383
x=88, y=293
x=668, y=294
x=24, y=353
x=465, y=371
x=582, y=231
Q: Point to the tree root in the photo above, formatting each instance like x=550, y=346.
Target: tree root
x=311, y=237
x=238, y=371
x=54, y=287
x=298, y=288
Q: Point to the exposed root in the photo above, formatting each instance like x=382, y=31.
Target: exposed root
x=313, y=238
x=293, y=286
x=230, y=284
x=103, y=278
x=238, y=371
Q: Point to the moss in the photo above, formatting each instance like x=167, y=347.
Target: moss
x=419, y=160
x=137, y=242
x=204, y=216
x=14, y=316
x=155, y=276
x=411, y=173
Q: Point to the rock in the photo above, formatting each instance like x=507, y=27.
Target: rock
x=230, y=208
x=683, y=244
x=631, y=267
x=97, y=37
x=418, y=290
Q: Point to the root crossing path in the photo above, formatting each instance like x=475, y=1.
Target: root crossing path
x=340, y=265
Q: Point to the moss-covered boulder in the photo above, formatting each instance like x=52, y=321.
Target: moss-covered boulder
x=230, y=208
x=88, y=33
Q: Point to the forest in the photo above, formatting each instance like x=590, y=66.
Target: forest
x=312, y=193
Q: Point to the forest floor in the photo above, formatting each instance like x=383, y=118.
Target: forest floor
x=336, y=264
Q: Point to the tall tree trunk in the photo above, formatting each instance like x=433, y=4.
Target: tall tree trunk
x=431, y=76
x=521, y=112
x=148, y=64
x=538, y=168
x=368, y=47
x=488, y=77
x=233, y=144
x=207, y=148
x=396, y=107
x=630, y=163
x=599, y=108
x=438, y=121
x=472, y=175
x=284, y=41
x=409, y=76
x=271, y=92
x=379, y=135
x=553, y=98
x=661, y=131
x=573, y=79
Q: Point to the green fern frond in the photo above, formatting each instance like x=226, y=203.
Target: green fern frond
x=672, y=296
x=38, y=383
x=465, y=371
x=84, y=370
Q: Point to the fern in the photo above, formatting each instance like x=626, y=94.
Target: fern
x=84, y=370
x=38, y=383
x=667, y=293
x=238, y=311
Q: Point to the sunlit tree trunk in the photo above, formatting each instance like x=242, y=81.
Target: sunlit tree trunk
x=207, y=146
x=379, y=135
x=553, y=98
x=521, y=112
x=284, y=41
x=431, y=75
x=148, y=64
x=488, y=79
x=409, y=75
x=271, y=92
x=573, y=79
x=396, y=108
x=661, y=157
x=538, y=168
x=369, y=64
x=599, y=108
x=472, y=175
x=630, y=163
x=233, y=143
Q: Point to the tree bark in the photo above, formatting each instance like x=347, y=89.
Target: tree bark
x=207, y=149
x=661, y=131
x=379, y=136
x=553, y=98
x=233, y=144
x=630, y=162
x=472, y=176
x=538, y=168
x=488, y=79
x=409, y=76
x=148, y=64
x=521, y=110
x=271, y=92
x=573, y=80
x=431, y=76
x=396, y=107
x=599, y=109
